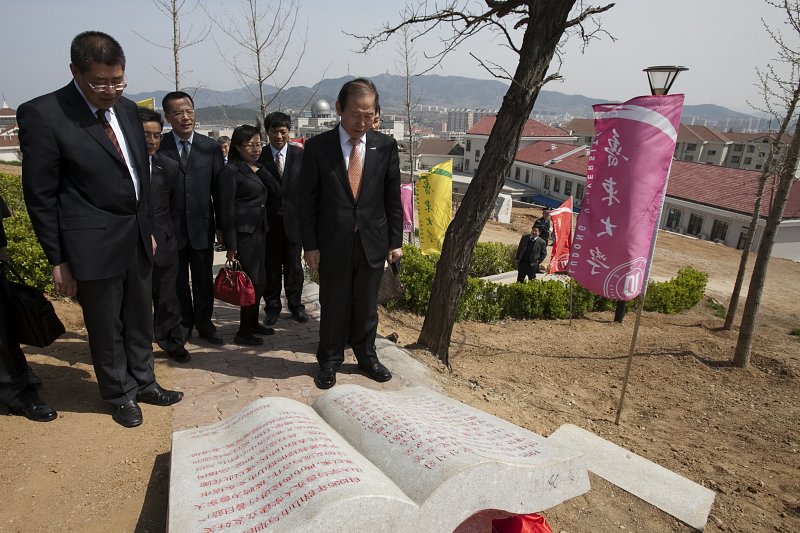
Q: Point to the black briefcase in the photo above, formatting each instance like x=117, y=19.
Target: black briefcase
x=33, y=318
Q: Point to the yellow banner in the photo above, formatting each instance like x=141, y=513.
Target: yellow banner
x=148, y=103
x=434, y=206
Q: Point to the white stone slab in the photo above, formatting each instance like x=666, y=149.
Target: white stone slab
x=363, y=460
x=674, y=494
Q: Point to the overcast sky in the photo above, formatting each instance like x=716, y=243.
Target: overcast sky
x=720, y=41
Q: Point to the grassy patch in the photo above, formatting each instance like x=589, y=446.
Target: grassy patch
x=795, y=333
x=717, y=308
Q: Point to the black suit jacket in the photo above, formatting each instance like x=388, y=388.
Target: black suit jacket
x=538, y=253
x=287, y=187
x=197, y=190
x=78, y=190
x=164, y=175
x=242, y=199
x=329, y=213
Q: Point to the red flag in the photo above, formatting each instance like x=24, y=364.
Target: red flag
x=625, y=180
x=300, y=141
x=562, y=237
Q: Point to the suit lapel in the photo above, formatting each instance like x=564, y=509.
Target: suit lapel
x=85, y=119
x=334, y=150
x=129, y=130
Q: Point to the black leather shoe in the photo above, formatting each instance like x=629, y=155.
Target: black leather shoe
x=180, y=355
x=271, y=320
x=37, y=410
x=258, y=329
x=300, y=315
x=212, y=338
x=247, y=340
x=160, y=396
x=326, y=378
x=376, y=371
x=128, y=414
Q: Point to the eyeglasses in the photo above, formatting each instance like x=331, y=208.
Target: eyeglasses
x=183, y=112
x=251, y=146
x=153, y=136
x=101, y=88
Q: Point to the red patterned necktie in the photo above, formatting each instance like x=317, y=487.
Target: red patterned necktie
x=355, y=167
x=101, y=116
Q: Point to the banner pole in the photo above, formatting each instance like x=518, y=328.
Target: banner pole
x=642, y=296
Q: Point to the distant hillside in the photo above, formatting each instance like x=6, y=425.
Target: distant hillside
x=448, y=91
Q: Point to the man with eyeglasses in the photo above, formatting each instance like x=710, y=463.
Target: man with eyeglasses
x=200, y=161
x=86, y=182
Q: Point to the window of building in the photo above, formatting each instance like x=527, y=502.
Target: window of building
x=674, y=218
x=751, y=149
x=748, y=160
x=738, y=147
x=579, y=191
x=527, y=174
x=712, y=152
x=688, y=158
x=719, y=231
x=546, y=181
x=469, y=146
x=695, y=224
x=567, y=188
x=516, y=173
x=527, y=178
x=736, y=159
x=556, y=184
x=691, y=147
x=466, y=165
x=477, y=155
x=758, y=167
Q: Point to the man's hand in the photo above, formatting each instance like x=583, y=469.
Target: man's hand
x=230, y=255
x=153, y=240
x=63, y=280
x=394, y=255
x=312, y=259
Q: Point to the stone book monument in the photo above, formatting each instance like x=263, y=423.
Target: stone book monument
x=362, y=460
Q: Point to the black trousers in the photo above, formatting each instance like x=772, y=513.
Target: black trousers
x=14, y=388
x=526, y=269
x=251, y=255
x=197, y=302
x=348, y=297
x=283, y=263
x=118, y=314
x=166, y=308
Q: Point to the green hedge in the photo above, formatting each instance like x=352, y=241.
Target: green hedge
x=23, y=247
x=488, y=302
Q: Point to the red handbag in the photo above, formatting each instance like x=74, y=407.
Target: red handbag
x=233, y=285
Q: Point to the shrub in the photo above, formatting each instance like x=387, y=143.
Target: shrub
x=24, y=250
x=491, y=258
x=678, y=294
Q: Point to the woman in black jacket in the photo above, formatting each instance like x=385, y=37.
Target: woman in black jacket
x=243, y=213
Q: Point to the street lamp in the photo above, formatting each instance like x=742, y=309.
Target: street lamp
x=662, y=77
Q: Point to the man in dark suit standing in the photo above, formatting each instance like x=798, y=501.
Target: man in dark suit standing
x=200, y=163
x=87, y=186
x=531, y=251
x=351, y=222
x=164, y=174
x=283, y=164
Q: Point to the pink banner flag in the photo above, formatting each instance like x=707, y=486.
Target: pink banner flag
x=407, y=199
x=562, y=236
x=625, y=179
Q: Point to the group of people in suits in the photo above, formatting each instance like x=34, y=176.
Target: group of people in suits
x=128, y=216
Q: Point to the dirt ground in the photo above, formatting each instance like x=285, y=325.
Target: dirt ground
x=734, y=431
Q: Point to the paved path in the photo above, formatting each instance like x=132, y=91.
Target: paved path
x=220, y=380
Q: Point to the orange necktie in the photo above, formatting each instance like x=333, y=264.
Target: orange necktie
x=355, y=167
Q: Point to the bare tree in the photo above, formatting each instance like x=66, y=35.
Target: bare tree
x=176, y=10
x=543, y=24
x=273, y=51
x=782, y=92
x=407, y=64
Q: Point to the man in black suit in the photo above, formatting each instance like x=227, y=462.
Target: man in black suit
x=351, y=222
x=283, y=164
x=87, y=188
x=531, y=251
x=163, y=184
x=17, y=390
x=200, y=163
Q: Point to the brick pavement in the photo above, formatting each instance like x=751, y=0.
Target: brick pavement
x=220, y=380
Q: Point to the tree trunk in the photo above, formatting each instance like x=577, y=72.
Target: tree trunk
x=751, y=230
x=744, y=343
x=543, y=32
